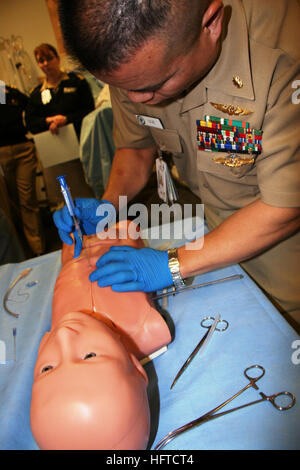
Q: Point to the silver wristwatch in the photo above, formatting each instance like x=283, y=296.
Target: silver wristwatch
x=174, y=268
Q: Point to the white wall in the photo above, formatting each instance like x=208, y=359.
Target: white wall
x=29, y=19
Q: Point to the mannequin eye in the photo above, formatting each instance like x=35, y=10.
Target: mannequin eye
x=46, y=368
x=89, y=355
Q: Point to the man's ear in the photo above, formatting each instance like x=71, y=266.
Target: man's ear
x=139, y=367
x=212, y=19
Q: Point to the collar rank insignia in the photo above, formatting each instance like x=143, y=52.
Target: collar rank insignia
x=237, y=81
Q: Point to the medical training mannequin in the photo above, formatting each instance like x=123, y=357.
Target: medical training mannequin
x=89, y=388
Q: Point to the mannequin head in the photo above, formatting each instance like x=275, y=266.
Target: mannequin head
x=89, y=389
x=89, y=392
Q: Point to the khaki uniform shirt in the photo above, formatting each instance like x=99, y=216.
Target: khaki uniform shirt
x=260, y=46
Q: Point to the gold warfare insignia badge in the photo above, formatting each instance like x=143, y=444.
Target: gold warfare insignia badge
x=231, y=109
x=233, y=160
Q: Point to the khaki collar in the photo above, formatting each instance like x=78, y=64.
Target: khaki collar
x=233, y=61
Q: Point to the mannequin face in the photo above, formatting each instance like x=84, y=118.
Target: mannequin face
x=88, y=392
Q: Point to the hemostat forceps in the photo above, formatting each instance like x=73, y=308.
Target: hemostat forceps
x=204, y=340
x=212, y=413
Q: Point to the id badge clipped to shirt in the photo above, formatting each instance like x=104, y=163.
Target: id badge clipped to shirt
x=46, y=96
x=165, y=185
x=161, y=179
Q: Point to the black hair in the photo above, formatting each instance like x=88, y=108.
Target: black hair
x=102, y=34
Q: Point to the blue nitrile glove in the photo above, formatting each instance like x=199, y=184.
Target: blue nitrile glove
x=125, y=269
x=89, y=214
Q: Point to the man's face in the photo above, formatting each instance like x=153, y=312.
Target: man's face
x=152, y=76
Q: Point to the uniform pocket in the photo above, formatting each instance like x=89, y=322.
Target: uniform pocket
x=219, y=164
x=167, y=139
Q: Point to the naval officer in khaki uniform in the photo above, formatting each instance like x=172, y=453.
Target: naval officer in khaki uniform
x=184, y=63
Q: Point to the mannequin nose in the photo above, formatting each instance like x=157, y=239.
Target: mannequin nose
x=66, y=331
x=140, y=96
x=66, y=337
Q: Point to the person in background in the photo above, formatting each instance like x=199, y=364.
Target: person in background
x=62, y=98
x=10, y=248
x=19, y=162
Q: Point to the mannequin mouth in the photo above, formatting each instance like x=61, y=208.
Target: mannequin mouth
x=79, y=319
x=101, y=317
x=72, y=325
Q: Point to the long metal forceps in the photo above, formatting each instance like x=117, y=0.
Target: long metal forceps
x=203, y=342
x=175, y=291
x=212, y=413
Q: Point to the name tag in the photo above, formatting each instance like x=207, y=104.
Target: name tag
x=69, y=89
x=149, y=121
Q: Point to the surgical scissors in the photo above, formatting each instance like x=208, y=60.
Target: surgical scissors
x=203, y=341
x=212, y=413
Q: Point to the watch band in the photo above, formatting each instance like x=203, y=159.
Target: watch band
x=175, y=268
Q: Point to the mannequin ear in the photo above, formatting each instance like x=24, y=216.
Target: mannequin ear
x=212, y=19
x=139, y=367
